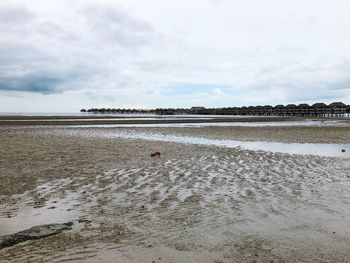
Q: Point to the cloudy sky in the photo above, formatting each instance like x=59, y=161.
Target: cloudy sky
x=61, y=56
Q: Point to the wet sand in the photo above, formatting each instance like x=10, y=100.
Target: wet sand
x=196, y=203
x=287, y=134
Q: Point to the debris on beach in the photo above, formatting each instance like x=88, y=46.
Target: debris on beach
x=36, y=232
x=155, y=154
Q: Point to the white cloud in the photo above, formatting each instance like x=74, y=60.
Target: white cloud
x=124, y=53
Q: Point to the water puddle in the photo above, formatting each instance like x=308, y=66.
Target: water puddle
x=26, y=214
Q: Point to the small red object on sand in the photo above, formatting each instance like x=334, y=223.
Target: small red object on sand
x=155, y=154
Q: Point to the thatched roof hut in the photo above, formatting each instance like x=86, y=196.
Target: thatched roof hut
x=337, y=108
x=337, y=104
x=319, y=105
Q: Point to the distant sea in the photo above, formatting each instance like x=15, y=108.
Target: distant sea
x=40, y=114
x=65, y=114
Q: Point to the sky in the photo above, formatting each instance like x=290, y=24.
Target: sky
x=62, y=56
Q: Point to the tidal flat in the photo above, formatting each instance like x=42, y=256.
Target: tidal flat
x=207, y=198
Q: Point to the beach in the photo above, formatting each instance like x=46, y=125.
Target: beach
x=213, y=195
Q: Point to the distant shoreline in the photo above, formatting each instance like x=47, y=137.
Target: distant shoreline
x=92, y=120
x=172, y=119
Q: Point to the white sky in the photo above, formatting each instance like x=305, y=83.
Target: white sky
x=61, y=56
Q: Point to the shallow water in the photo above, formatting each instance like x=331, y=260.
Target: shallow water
x=329, y=150
x=29, y=213
x=222, y=124
x=27, y=216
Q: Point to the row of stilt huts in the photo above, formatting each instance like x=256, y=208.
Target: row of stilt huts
x=335, y=109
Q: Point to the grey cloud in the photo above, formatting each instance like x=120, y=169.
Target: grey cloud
x=14, y=15
x=41, y=56
x=48, y=29
x=118, y=26
x=44, y=82
x=32, y=83
x=19, y=55
x=118, y=18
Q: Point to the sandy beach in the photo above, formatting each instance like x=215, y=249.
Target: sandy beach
x=197, y=202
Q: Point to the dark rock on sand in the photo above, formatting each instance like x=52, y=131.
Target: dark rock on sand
x=81, y=220
x=35, y=232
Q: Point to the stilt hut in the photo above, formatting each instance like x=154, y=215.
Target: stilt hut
x=267, y=110
x=304, y=109
x=337, y=108
x=279, y=109
x=292, y=109
x=319, y=109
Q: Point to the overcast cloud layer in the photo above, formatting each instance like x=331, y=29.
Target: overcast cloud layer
x=61, y=56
